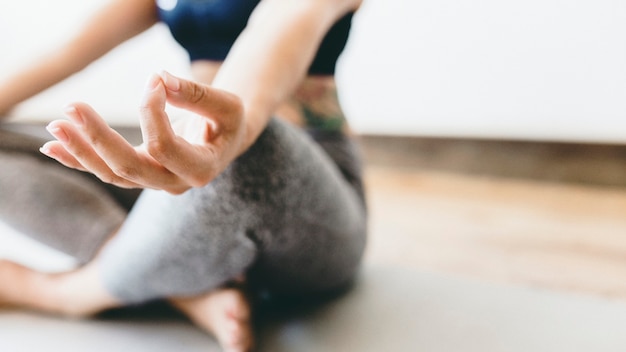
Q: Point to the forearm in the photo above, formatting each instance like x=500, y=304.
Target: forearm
x=271, y=56
x=110, y=26
x=33, y=80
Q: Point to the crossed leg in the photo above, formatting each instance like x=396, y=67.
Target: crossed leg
x=192, y=251
x=224, y=312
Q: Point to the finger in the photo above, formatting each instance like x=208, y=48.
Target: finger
x=115, y=151
x=56, y=151
x=187, y=161
x=83, y=153
x=224, y=108
x=154, y=122
x=223, y=112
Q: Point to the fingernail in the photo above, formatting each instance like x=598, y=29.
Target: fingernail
x=153, y=82
x=172, y=83
x=74, y=115
x=45, y=149
x=58, y=133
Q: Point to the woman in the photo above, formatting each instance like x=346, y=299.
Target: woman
x=231, y=194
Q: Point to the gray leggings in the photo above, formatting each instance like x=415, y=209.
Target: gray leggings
x=289, y=213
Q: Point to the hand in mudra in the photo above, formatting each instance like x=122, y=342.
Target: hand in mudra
x=172, y=161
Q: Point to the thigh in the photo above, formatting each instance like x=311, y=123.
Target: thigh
x=282, y=211
x=26, y=139
x=311, y=221
x=60, y=207
x=175, y=246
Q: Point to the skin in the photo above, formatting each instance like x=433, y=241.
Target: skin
x=229, y=105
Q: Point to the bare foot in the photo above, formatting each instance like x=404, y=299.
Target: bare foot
x=225, y=313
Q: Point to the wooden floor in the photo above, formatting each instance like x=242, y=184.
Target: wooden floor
x=529, y=231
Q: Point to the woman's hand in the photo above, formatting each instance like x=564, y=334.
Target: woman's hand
x=169, y=160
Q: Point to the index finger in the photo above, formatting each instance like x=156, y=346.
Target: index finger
x=119, y=155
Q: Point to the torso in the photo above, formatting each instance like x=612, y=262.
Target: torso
x=207, y=29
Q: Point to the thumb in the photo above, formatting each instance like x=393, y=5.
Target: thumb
x=153, y=120
x=224, y=108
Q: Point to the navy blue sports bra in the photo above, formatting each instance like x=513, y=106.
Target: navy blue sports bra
x=207, y=29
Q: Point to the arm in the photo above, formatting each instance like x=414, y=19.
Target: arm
x=267, y=62
x=282, y=36
x=118, y=21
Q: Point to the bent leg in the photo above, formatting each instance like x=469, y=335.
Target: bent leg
x=312, y=229
x=65, y=209
x=56, y=207
x=181, y=245
x=283, y=206
x=283, y=212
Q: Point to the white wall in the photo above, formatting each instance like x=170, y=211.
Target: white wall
x=112, y=85
x=533, y=69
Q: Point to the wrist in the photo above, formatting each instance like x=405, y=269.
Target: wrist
x=253, y=123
